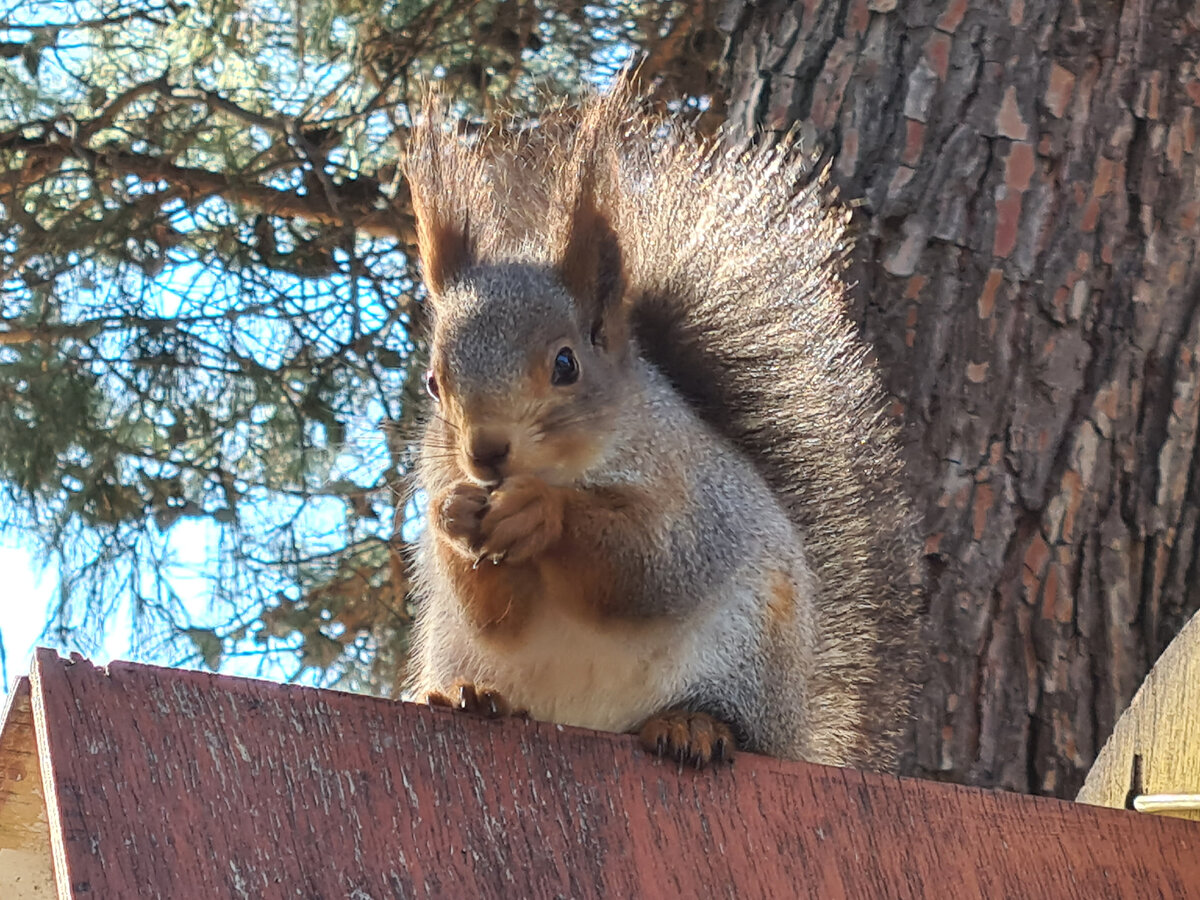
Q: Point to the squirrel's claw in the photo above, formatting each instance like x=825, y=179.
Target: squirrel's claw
x=523, y=517
x=495, y=558
x=467, y=697
x=688, y=737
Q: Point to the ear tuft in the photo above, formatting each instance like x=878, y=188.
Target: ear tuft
x=444, y=245
x=591, y=267
x=442, y=173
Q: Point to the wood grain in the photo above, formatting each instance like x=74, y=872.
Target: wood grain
x=185, y=784
x=26, y=870
x=1161, y=727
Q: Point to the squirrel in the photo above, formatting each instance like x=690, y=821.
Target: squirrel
x=663, y=494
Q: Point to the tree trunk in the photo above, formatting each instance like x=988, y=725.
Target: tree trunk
x=1026, y=271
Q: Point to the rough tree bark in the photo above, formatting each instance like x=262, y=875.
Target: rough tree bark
x=1026, y=270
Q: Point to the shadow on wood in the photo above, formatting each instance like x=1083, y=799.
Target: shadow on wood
x=140, y=781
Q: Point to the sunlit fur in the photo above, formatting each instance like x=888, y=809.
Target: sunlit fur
x=734, y=535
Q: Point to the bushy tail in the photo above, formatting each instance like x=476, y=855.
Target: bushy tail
x=734, y=265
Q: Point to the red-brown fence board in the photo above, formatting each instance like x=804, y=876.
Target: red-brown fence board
x=169, y=783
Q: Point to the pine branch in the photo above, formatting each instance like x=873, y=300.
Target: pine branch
x=360, y=204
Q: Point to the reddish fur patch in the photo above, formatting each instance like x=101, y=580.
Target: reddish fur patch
x=590, y=265
x=596, y=585
x=570, y=571
x=444, y=246
x=495, y=598
x=781, y=602
x=581, y=581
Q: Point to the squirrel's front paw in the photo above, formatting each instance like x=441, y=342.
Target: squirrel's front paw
x=523, y=518
x=458, y=514
x=688, y=737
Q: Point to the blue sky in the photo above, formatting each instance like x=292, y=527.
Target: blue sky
x=30, y=589
x=27, y=594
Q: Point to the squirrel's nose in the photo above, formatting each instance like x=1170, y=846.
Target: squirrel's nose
x=489, y=450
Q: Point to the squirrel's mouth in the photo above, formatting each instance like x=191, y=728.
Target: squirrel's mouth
x=558, y=472
x=489, y=449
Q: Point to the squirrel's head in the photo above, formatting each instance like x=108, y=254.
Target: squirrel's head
x=525, y=381
x=530, y=360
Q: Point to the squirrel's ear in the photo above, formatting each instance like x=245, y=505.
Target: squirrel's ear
x=441, y=173
x=445, y=245
x=591, y=268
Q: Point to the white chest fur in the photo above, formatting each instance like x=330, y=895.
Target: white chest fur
x=609, y=677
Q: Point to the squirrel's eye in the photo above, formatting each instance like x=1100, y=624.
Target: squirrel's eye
x=566, y=368
x=431, y=386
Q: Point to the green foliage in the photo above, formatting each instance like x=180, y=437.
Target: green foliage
x=208, y=321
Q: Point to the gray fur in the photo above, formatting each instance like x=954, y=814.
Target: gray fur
x=744, y=397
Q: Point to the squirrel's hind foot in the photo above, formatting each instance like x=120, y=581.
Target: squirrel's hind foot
x=694, y=738
x=470, y=698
